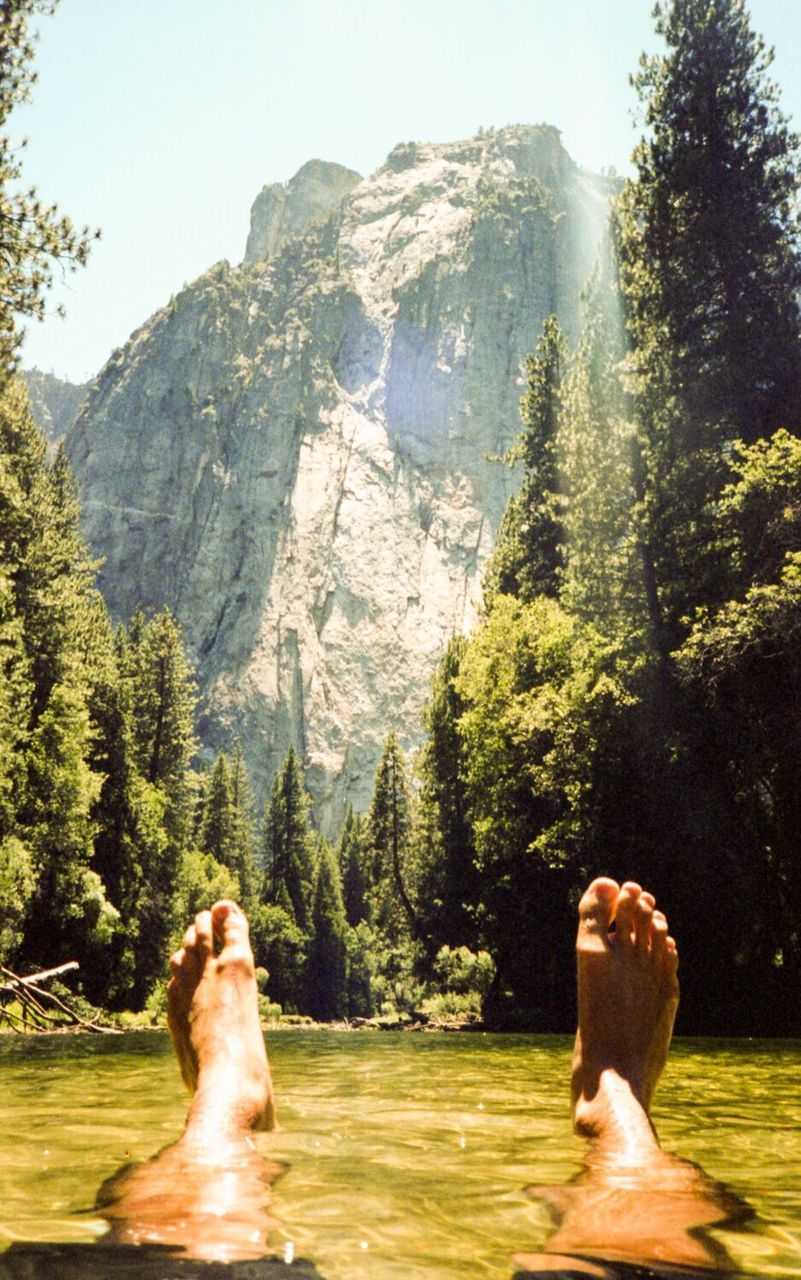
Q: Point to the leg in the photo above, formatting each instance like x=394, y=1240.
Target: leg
x=207, y=1194
x=632, y=1200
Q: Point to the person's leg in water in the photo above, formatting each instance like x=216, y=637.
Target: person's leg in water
x=633, y=1201
x=207, y=1194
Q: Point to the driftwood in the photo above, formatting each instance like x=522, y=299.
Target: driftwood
x=41, y=1010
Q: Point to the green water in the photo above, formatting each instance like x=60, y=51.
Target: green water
x=409, y=1154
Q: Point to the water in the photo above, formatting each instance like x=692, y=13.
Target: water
x=408, y=1154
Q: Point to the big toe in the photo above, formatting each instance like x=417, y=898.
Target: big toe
x=231, y=926
x=597, y=910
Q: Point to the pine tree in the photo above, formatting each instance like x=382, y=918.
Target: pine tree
x=352, y=864
x=50, y=617
x=603, y=574
x=164, y=700
x=288, y=844
x=449, y=885
x=161, y=688
x=128, y=817
x=225, y=827
x=244, y=863
x=217, y=823
x=527, y=560
x=33, y=237
x=707, y=237
x=389, y=823
x=326, y=969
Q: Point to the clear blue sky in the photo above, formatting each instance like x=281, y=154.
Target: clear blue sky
x=160, y=120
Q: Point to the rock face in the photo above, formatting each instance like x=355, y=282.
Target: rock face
x=282, y=211
x=54, y=403
x=294, y=453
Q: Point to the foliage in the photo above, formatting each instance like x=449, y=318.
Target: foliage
x=449, y=888
x=707, y=240
x=201, y=880
x=710, y=224
x=17, y=884
x=528, y=556
x=288, y=846
x=34, y=237
x=326, y=971
x=226, y=830
x=389, y=849
x=352, y=867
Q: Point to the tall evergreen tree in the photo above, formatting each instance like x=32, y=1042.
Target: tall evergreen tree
x=217, y=821
x=326, y=968
x=161, y=688
x=48, y=671
x=527, y=560
x=288, y=855
x=225, y=828
x=353, y=869
x=164, y=700
x=243, y=840
x=707, y=239
x=389, y=825
x=604, y=572
x=33, y=236
x=449, y=883
x=128, y=816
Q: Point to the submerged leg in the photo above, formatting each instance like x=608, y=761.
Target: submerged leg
x=207, y=1194
x=632, y=1201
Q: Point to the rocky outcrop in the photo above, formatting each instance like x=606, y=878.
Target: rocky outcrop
x=54, y=403
x=294, y=453
x=284, y=210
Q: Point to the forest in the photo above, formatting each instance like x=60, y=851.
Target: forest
x=629, y=703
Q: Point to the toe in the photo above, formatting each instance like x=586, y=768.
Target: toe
x=597, y=910
x=203, y=932
x=229, y=923
x=659, y=933
x=643, y=915
x=626, y=908
x=190, y=964
x=177, y=962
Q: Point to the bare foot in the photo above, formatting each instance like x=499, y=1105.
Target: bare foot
x=632, y=1201
x=213, y=1017
x=628, y=995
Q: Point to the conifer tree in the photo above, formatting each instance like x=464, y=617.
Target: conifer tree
x=288, y=844
x=353, y=870
x=33, y=236
x=707, y=237
x=527, y=560
x=604, y=571
x=326, y=968
x=389, y=823
x=449, y=885
x=244, y=864
x=162, y=693
x=164, y=699
x=225, y=828
x=128, y=817
x=48, y=671
x=217, y=823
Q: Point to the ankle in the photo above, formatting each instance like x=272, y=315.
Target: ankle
x=608, y=1108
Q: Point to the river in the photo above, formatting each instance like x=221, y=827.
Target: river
x=408, y=1154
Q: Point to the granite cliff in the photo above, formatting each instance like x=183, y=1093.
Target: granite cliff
x=54, y=403
x=293, y=453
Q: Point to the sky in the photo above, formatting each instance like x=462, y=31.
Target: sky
x=159, y=121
